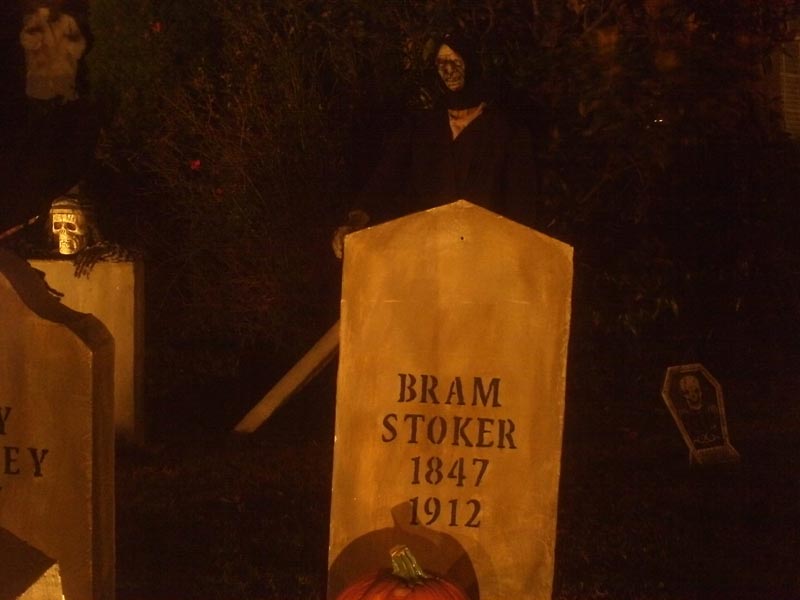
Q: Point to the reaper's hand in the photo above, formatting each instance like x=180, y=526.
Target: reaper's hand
x=356, y=219
x=87, y=258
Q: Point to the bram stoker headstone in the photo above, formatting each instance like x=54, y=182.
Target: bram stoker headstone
x=56, y=432
x=694, y=397
x=450, y=401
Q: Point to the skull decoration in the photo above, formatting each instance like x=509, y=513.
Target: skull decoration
x=702, y=422
x=690, y=391
x=72, y=228
x=53, y=44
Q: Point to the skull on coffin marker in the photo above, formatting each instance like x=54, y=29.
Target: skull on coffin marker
x=72, y=226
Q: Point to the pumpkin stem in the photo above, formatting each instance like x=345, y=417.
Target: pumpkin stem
x=405, y=566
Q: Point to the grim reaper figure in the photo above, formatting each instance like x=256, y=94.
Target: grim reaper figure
x=465, y=148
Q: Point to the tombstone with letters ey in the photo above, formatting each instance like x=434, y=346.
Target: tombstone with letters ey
x=450, y=403
x=694, y=397
x=56, y=441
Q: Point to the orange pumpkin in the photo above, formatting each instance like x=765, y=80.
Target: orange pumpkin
x=407, y=581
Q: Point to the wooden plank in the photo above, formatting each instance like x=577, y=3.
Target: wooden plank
x=301, y=373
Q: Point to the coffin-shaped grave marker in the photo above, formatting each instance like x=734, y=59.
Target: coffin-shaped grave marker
x=694, y=397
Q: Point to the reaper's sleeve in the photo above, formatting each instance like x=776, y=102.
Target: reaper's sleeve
x=381, y=197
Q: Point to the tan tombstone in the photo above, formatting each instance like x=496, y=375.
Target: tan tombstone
x=450, y=401
x=56, y=432
x=114, y=293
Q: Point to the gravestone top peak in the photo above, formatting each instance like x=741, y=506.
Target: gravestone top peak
x=452, y=215
x=492, y=252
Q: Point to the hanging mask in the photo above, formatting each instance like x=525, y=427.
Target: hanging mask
x=54, y=44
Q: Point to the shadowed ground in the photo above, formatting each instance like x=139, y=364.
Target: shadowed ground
x=208, y=515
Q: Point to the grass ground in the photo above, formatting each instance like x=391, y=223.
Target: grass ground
x=207, y=515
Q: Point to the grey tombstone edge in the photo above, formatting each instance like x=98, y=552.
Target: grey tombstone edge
x=57, y=435
x=450, y=401
x=694, y=398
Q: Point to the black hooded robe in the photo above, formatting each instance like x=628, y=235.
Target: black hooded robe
x=490, y=163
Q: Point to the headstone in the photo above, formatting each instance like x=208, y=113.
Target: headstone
x=450, y=401
x=56, y=432
x=695, y=400
x=114, y=293
x=26, y=573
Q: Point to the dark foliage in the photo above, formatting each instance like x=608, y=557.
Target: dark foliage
x=245, y=128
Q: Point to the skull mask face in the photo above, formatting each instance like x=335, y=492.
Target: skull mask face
x=70, y=226
x=690, y=390
x=451, y=68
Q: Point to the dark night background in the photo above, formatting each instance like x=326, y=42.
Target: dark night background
x=225, y=141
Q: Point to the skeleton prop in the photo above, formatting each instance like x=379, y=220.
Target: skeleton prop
x=701, y=421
